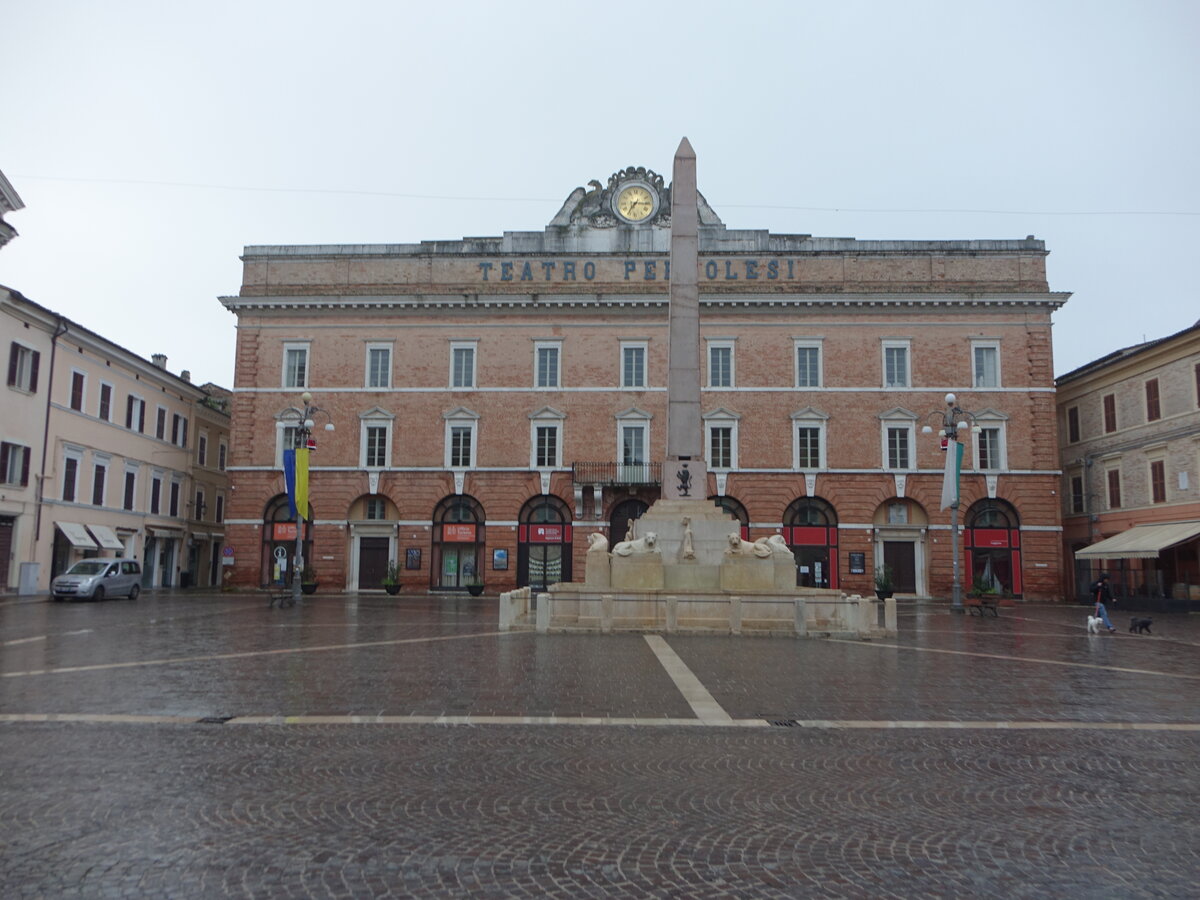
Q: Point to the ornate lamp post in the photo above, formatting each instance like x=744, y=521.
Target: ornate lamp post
x=953, y=420
x=304, y=424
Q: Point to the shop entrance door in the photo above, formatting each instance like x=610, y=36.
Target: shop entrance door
x=901, y=556
x=372, y=562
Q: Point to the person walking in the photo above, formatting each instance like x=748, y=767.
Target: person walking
x=1102, y=593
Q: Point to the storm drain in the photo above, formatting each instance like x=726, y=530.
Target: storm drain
x=784, y=723
x=213, y=720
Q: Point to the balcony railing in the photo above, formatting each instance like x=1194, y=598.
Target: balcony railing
x=613, y=473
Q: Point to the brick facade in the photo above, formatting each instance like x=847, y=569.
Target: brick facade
x=589, y=285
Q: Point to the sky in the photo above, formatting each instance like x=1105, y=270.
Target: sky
x=151, y=141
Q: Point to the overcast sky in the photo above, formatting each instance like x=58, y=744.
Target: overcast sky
x=152, y=141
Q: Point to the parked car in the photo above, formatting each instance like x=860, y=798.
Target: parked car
x=98, y=578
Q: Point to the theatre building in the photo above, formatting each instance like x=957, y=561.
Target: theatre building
x=496, y=400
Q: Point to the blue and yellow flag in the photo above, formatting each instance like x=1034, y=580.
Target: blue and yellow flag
x=289, y=479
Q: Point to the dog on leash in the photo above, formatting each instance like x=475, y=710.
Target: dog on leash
x=1140, y=626
x=1094, y=623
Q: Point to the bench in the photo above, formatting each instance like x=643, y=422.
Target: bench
x=981, y=606
x=281, y=594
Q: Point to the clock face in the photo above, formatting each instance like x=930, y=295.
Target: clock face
x=635, y=203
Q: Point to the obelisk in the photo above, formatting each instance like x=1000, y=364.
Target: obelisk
x=684, y=471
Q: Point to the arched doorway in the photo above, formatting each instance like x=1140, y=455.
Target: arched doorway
x=458, y=543
x=279, y=541
x=810, y=529
x=900, y=528
x=992, y=537
x=544, y=543
x=372, y=521
x=622, y=514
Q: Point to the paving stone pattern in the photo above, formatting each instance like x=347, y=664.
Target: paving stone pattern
x=1088, y=808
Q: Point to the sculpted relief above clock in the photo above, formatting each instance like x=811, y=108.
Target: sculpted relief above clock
x=633, y=197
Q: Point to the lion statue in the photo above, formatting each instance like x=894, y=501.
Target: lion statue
x=647, y=544
x=738, y=547
x=597, y=542
x=776, y=546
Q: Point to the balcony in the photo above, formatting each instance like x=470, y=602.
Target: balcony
x=613, y=474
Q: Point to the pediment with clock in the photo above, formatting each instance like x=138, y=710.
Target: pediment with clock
x=634, y=197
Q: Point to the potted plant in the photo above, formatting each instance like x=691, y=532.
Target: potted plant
x=308, y=580
x=883, y=582
x=391, y=578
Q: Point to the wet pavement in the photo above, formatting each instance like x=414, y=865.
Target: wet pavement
x=200, y=745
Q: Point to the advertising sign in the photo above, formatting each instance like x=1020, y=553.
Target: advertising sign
x=459, y=532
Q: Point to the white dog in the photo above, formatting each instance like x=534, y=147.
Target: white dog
x=1094, y=623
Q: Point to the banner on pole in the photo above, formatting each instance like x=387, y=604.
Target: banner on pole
x=954, y=455
x=302, y=483
x=289, y=479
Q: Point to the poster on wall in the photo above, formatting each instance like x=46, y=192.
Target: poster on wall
x=499, y=559
x=858, y=563
x=412, y=558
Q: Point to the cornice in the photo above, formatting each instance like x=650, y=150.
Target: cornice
x=1050, y=300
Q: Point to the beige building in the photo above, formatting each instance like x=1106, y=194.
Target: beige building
x=1129, y=427
x=498, y=399
x=104, y=453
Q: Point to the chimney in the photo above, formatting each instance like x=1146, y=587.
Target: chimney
x=186, y=375
x=159, y=360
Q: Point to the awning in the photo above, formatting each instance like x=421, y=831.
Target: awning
x=77, y=535
x=1141, y=541
x=105, y=537
x=161, y=531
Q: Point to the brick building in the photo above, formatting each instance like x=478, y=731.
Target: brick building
x=498, y=399
x=1129, y=425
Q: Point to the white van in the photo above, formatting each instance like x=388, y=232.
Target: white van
x=99, y=577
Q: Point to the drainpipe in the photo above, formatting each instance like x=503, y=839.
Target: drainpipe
x=59, y=330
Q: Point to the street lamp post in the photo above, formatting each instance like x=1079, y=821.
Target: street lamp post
x=953, y=420
x=303, y=444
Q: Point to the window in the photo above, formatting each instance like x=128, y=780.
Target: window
x=135, y=413
x=155, y=492
x=222, y=454
x=295, y=365
x=720, y=364
x=633, y=443
x=633, y=365
x=179, y=428
x=219, y=509
x=1153, y=410
x=202, y=449
x=99, y=474
x=895, y=364
x=898, y=448
x=545, y=447
x=376, y=447
x=899, y=426
x=720, y=447
x=989, y=448
x=808, y=365
x=70, y=475
x=1077, y=494
x=379, y=365
x=199, y=505
x=460, y=446
x=1073, y=425
x=986, y=364
x=173, y=508
x=23, y=367
x=1114, y=488
x=808, y=447
x=160, y=426
x=14, y=463
x=104, y=411
x=131, y=491
x=78, y=388
x=546, y=365
x=376, y=508
x=1158, y=481
x=808, y=439
x=462, y=365
x=1110, y=413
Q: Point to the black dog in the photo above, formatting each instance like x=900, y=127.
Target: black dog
x=1141, y=626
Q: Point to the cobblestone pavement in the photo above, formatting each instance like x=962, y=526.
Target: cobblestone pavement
x=204, y=745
